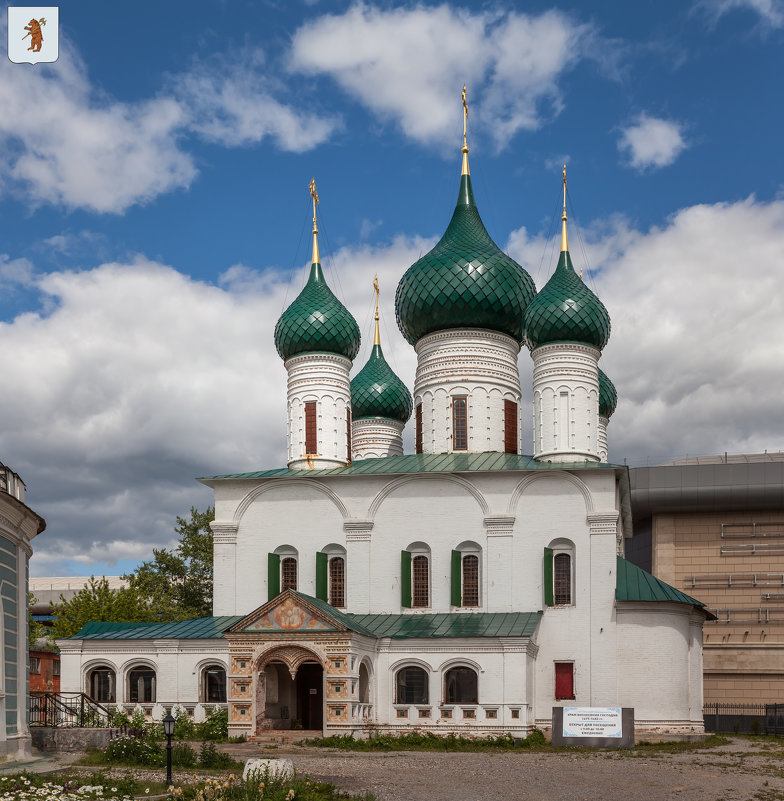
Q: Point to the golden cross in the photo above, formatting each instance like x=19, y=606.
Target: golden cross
x=314, y=195
x=377, y=337
x=465, y=114
x=564, y=183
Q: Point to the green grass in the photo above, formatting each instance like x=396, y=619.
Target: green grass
x=426, y=741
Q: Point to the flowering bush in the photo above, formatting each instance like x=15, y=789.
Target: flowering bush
x=36, y=788
x=134, y=751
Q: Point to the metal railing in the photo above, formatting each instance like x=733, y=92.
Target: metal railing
x=744, y=718
x=66, y=709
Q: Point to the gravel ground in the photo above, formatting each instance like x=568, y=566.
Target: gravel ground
x=739, y=771
x=744, y=770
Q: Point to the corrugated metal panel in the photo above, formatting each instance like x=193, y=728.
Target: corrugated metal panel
x=198, y=629
x=423, y=463
x=635, y=584
x=475, y=624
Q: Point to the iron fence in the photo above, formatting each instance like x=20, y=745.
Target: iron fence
x=744, y=718
x=66, y=709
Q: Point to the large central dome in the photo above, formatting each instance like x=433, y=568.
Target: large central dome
x=465, y=281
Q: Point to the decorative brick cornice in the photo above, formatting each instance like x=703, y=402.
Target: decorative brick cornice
x=499, y=525
x=357, y=530
x=224, y=533
x=603, y=522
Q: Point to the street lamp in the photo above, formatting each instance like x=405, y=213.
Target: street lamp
x=168, y=730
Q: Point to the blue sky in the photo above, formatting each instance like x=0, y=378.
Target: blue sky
x=154, y=217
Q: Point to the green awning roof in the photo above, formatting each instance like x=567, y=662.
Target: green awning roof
x=469, y=624
x=424, y=463
x=632, y=583
x=202, y=628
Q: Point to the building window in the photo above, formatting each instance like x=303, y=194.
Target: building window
x=141, y=686
x=288, y=573
x=35, y=664
x=101, y=684
x=348, y=435
x=459, y=424
x=411, y=686
x=420, y=569
x=214, y=684
x=337, y=582
x=510, y=426
x=56, y=667
x=461, y=686
x=564, y=681
x=562, y=578
x=418, y=438
x=311, y=440
x=470, y=580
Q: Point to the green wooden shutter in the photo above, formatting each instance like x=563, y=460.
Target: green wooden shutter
x=457, y=578
x=273, y=575
x=321, y=576
x=405, y=579
x=548, y=577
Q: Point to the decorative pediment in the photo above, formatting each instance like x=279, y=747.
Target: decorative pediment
x=288, y=612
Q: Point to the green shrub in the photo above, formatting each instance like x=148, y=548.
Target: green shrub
x=119, y=718
x=210, y=757
x=127, y=750
x=215, y=727
x=184, y=727
x=183, y=756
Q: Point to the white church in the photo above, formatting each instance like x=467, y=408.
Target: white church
x=462, y=588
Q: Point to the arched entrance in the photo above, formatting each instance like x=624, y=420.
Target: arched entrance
x=289, y=688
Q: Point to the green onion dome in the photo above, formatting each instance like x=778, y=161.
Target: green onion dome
x=566, y=311
x=317, y=322
x=377, y=392
x=465, y=281
x=608, y=397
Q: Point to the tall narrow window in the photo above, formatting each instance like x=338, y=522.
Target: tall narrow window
x=470, y=580
x=460, y=424
x=311, y=441
x=564, y=680
x=418, y=444
x=461, y=686
x=411, y=686
x=348, y=434
x=288, y=573
x=562, y=578
x=510, y=426
x=421, y=581
x=337, y=582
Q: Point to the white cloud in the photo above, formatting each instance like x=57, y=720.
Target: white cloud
x=697, y=329
x=232, y=104
x=408, y=65
x=651, y=142
x=136, y=379
x=771, y=12
x=64, y=142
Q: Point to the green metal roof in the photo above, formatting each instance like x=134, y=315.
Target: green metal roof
x=465, y=281
x=566, y=311
x=202, y=628
x=608, y=396
x=377, y=392
x=317, y=322
x=632, y=583
x=489, y=461
x=469, y=624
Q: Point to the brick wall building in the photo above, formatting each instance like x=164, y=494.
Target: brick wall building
x=714, y=528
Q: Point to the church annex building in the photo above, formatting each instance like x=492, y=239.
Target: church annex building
x=462, y=588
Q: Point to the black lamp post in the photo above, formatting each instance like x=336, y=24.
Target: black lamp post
x=168, y=730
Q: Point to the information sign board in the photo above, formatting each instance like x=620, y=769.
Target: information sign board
x=592, y=721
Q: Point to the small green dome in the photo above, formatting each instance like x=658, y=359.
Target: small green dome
x=566, y=311
x=377, y=392
x=465, y=281
x=608, y=397
x=316, y=322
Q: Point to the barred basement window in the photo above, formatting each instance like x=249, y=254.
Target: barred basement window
x=470, y=580
x=288, y=573
x=562, y=579
x=421, y=581
x=337, y=582
x=459, y=424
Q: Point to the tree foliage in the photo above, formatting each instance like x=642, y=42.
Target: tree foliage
x=174, y=585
